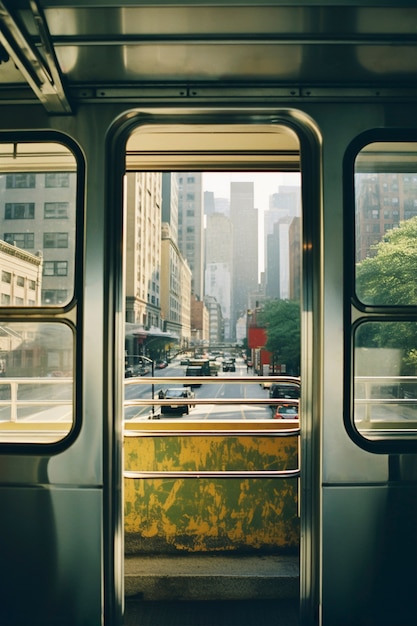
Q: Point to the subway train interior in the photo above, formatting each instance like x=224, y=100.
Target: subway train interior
x=117, y=119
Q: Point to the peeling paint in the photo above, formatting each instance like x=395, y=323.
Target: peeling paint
x=198, y=515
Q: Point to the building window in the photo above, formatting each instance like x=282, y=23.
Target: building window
x=20, y=281
x=19, y=301
x=57, y=179
x=55, y=240
x=20, y=181
x=55, y=268
x=19, y=211
x=21, y=240
x=5, y=298
x=55, y=210
x=32, y=285
x=6, y=277
x=54, y=296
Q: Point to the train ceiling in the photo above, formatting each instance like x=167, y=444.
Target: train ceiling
x=63, y=52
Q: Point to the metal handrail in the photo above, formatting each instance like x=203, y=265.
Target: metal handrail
x=295, y=473
x=192, y=401
x=291, y=432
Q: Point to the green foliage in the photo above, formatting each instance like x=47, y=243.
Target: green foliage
x=389, y=277
x=282, y=320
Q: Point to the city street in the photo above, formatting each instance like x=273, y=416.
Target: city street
x=216, y=390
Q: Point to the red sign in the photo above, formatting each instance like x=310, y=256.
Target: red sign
x=256, y=337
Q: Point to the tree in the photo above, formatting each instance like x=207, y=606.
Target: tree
x=281, y=319
x=389, y=278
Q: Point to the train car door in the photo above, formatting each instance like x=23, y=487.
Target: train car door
x=152, y=142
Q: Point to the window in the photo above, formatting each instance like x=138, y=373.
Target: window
x=54, y=296
x=57, y=179
x=21, y=240
x=19, y=211
x=56, y=210
x=55, y=268
x=20, y=181
x=55, y=240
x=383, y=370
x=37, y=360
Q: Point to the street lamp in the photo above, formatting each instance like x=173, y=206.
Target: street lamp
x=152, y=362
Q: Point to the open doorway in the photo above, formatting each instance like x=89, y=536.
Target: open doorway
x=213, y=290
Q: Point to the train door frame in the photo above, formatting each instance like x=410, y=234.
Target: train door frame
x=311, y=372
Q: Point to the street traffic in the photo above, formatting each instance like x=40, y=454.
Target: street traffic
x=213, y=391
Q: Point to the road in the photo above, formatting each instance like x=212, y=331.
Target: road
x=217, y=390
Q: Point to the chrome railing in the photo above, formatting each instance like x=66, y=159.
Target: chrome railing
x=212, y=432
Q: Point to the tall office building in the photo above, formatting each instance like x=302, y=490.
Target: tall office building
x=175, y=288
x=37, y=214
x=283, y=207
x=244, y=219
x=209, y=203
x=143, y=248
x=219, y=260
x=383, y=200
x=170, y=203
x=191, y=226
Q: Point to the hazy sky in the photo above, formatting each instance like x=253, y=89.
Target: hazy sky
x=265, y=184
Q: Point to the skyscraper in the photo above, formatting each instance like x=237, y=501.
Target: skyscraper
x=190, y=226
x=219, y=258
x=143, y=248
x=244, y=219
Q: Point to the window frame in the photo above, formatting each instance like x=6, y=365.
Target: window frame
x=356, y=312
x=69, y=314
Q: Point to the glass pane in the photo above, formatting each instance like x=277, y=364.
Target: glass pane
x=36, y=382
x=386, y=223
x=385, y=392
x=37, y=224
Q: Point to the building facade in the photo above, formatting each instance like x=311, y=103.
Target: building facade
x=244, y=219
x=143, y=195
x=175, y=288
x=191, y=226
x=37, y=214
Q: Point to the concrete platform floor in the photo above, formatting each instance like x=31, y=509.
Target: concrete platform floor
x=212, y=578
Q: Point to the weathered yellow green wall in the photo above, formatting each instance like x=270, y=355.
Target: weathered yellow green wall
x=202, y=515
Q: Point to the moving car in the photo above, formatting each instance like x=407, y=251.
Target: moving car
x=285, y=410
x=280, y=390
x=194, y=371
x=177, y=393
x=229, y=365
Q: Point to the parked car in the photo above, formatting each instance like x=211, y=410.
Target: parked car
x=177, y=393
x=285, y=410
x=161, y=364
x=184, y=361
